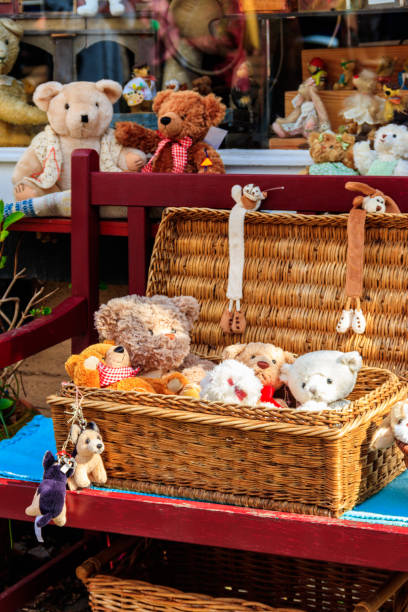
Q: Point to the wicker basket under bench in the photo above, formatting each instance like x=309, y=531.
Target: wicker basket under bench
x=276, y=459
x=152, y=575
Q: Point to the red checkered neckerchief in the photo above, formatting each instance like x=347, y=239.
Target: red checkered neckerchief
x=178, y=151
x=108, y=375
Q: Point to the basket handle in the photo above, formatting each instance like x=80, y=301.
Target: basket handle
x=95, y=564
x=395, y=582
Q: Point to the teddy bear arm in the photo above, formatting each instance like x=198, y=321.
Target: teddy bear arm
x=98, y=474
x=130, y=134
x=18, y=112
x=131, y=160
x=27, y=165
x=200, y=155
x=363, y=157
x=134, y=383
x=80, y=476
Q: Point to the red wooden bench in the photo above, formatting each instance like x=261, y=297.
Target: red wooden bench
x=204, y=523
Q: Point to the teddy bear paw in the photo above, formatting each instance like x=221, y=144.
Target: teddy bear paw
x=345, y=321
x=359, y=322
x=91, y=362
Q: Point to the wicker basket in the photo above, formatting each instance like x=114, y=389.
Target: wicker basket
x=173, y=577
x=266, y=458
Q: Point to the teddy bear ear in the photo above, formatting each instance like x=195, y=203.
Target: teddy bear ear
x=359, y=187
x=232, y=351
x=48, y=460
x=111, y=89
x=383, y=437
x=160, y=98
x=13, y=27
x=189, y=306
x=92, y=425
x=214, y=109
x=352, y=360
x=284, y=372
x=45, y=92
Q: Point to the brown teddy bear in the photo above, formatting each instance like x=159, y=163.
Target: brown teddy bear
x=156, y=333
x=331, y=153
x=79, y=115
x=105, y=365
x=184, y=118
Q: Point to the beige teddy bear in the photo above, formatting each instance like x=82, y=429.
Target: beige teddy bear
x=156, y=333
x=79, y=115
x=17, y=117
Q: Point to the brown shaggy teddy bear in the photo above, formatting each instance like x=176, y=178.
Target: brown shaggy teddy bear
x=184, y=118
x=105, y=365
x=331, y=153
x=156, y=333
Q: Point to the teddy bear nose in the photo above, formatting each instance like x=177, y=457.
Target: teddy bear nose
x=84, y=118
x=378, y=209
x=99, y=445
x=119, y=349
x=262, y=364
x=171, y=336
x=165, y=120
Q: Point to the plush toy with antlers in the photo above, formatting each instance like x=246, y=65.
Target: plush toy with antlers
x=371, y=201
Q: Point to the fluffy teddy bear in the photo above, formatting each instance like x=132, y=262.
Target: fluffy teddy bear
x=322, y=379
x=105, y=365
x=394, y=428
x=184, y=118
x=156, y=333
x=331, y=153
x=266, y=361
x=17, y=117
x=79, y=115
x=387, y=158
x=231, y=382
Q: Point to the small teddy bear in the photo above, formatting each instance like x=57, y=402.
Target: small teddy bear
x=332, y=154
x=363, y=110
x=346, y=78
x=231, y=382
x=108, y=366
x=394, y=428
x=266, y=361
x=49, y=499
x=389, y=155
x=87, y=453
x=322, y=379
x=184, y=118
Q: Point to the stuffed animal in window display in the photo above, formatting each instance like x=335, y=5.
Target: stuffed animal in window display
x=385, y=70
x=140, y=91
x=322, y=380
x=370, y=201
x=308, y=115
x=394, y=428
x=403, y=76
x=346, y=78
x=364, y=110
x=394, y=103
x=332, y=154
x=389, y=157
x=316, y=67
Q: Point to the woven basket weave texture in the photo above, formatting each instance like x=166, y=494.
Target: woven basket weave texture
x=176, y=577
x=277, y=459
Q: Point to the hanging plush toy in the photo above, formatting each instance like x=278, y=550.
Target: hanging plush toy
x=372, y=201
x=88, y=449
x=248, y=198
x=49, y=499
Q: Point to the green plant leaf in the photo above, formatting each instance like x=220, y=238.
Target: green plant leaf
x=3, y=261
x=3, y=235
x=1, y=210
x=5, y=403
x=15, y=216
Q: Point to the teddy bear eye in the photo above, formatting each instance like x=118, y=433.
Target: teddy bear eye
x=253, y=356
x=174, y=331
x=99, y=437
x=67, y=106
x=87, y=441
x=97, y=104
x=400, y=421
x=182, y=117
x=6, y=41
x=329, y=381
x=394, y=135
x=273, y=360
x=303, y=385
x=150, y=332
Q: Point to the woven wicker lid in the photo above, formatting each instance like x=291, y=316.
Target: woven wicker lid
x=294, y=280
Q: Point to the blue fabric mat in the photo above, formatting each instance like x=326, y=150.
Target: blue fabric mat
x=21, y=459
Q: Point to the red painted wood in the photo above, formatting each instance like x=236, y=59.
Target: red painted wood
x=63, y=226
x=84, y=243
x=301, y=193
x=137, y=247
x=68, y=318
x=28, y=587
x=279, y=533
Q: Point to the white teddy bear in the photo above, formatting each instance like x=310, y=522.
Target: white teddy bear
x=389, y=155
x=231, y=382
x=322, y=379
x=394, y=428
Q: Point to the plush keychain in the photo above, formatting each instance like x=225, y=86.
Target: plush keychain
x=49, y=499
x=372, y=201
x=248, y=198
x=394, y=428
